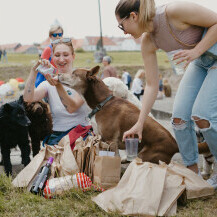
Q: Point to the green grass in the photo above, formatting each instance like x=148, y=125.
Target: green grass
x=15, y=202
x=19, y=65
x=86, y=59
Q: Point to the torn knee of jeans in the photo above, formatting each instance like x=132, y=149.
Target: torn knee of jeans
x=213, y=67
x=201, y=123
x=178, y=124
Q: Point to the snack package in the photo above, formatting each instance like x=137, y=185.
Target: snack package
x=58, y=186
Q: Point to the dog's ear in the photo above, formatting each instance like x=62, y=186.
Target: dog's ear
x=7, y=107
x=20, y=101
x=93, y=71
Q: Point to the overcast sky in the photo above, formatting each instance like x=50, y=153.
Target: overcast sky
x=28, y=21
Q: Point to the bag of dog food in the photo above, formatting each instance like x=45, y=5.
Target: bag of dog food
x=106, y=171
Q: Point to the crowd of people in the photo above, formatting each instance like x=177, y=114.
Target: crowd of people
x=168, y=27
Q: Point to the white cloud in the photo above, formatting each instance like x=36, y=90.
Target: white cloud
x=28, y=21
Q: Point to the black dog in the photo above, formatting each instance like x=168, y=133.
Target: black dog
x=39, y=125
x=14, y=131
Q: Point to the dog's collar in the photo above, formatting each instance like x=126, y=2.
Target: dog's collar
x=99, y=107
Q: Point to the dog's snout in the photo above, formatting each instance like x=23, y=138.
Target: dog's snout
x=38, y=109
x=28, y=122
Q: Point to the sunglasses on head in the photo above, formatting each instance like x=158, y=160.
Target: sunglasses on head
x=57, y=34
x=63, y=40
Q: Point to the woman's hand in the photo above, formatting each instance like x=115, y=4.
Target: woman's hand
x=42, y=62
x=186, y=56
x=52, y=80
x=135, y=130
x=36, y=65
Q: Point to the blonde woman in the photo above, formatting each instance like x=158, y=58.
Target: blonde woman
x=170, y=27
x=137, y=86
x=67, y=107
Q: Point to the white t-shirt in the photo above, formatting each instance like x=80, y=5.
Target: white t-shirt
x=62, y=119
x=137, y=86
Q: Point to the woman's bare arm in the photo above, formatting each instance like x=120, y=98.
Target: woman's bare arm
x=71, y=104
x=31, y=93
x=151, y=88
x=184, y=14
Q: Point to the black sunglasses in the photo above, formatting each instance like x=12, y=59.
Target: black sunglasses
x=120, y=25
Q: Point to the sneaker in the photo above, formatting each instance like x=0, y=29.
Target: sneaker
x=213, y=181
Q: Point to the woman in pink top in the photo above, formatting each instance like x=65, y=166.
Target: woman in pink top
x=178, y=25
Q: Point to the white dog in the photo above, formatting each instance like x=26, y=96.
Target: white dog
x=119, y=89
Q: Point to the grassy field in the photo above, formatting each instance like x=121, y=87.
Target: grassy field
x=19, y=65
x=16, y=202
x=86, y=59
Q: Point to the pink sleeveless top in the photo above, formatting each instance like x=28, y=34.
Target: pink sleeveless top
x=164, y=40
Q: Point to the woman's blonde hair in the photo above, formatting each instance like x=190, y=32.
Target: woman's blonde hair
x=69, y=44
x=139, y=73
x=55, y=28
x=144, y=8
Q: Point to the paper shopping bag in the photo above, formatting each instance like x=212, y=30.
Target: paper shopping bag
x=145, y=189
x=86, y=151
x=106, y=171
x=64, y=164
x=195, y=185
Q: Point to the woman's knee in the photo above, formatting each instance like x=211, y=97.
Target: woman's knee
x=178, y=124
x=201, y=123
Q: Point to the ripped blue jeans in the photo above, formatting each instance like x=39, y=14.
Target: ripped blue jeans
x=196, y=97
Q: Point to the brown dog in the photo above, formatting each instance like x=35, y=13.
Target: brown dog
x=118, y=115
x=41, y=123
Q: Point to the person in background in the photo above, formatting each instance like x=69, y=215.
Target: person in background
x=160, y=94
x=108, y=71
x=0, y=54
x=137, y=86
x=55, y=32
x=126, y=78
x=67, y=107
x=171, y=27
x=167, y=88
x=40, y=51
x=4, y=56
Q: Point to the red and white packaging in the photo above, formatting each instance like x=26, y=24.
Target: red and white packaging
x=58, y=186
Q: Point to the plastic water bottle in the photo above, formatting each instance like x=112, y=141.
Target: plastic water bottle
x=179, y=68
x=46, y=70
x=41, y=178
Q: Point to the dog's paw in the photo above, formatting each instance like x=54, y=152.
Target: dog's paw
x=123, y=155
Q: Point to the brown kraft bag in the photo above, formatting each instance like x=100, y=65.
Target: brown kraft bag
x=106, y=171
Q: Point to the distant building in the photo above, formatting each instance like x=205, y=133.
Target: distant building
x=112, y=43
x=27, y=49
x=45, y=43
x=90, y=43
x=11, y=48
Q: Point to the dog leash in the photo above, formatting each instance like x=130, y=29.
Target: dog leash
x=99, y=107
